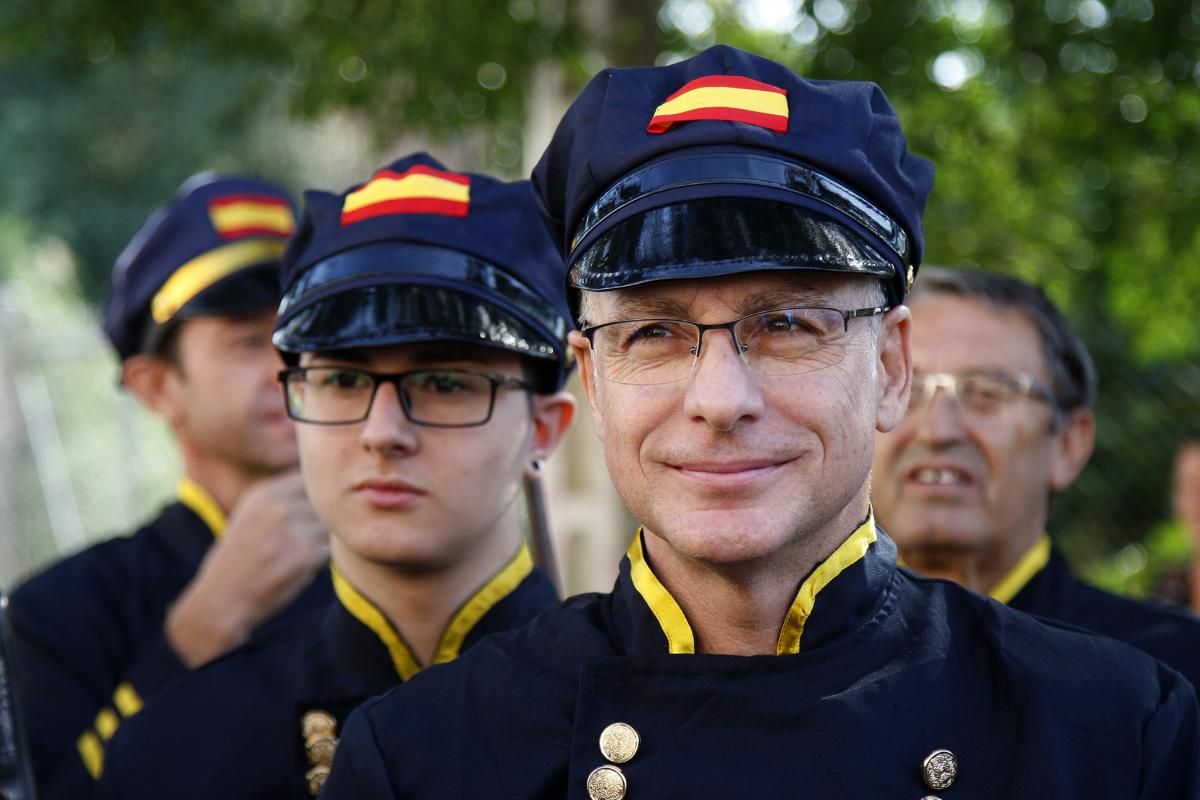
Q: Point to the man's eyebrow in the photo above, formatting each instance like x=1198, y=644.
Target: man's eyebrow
x=352, y=355
x=648, y=307
x=782, y=298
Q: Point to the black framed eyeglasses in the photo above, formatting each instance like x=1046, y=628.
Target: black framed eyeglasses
x=785, y=341
x=437, y=398
x=981, y=393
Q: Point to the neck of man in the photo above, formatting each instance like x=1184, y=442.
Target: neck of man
x=225, y=481
x=979, y=569
x=420, y=600
x=739, y=609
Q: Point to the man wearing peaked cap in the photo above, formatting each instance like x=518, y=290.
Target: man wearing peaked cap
x=425, y=325
x=99, y=634
x=740, y=240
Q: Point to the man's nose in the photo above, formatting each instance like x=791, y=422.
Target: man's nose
x=387, y=428
x=722, y=389
x=940, y=418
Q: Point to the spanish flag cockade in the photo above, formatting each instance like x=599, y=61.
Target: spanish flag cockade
x=728, y=98
x=237, y=215
x=417, y=190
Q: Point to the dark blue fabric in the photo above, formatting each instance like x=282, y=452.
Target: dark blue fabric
x=1172, y=636
x=171, y=237
x=900, y=667
x=844, y=130
x=232, y=729
x=94, y=621
x=501, y=229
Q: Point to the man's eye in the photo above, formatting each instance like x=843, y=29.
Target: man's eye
x=786, y=323
x=343, y=379
x=652, y=334
x=440, y=382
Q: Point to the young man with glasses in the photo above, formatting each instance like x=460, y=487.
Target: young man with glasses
x=96, y=636
x=999, y=421
x=425, y=324
x=742, y=241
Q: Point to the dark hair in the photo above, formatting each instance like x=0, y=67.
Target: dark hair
x=1072, y=374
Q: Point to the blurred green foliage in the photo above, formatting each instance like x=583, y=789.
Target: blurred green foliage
x=1066, y=135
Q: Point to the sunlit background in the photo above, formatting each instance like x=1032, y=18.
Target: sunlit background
x=1066, y=134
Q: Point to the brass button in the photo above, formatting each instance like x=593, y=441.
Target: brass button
x=315, y=722
x=606, y=783
x=940, y=768
x=316, y=778
x=619, y=742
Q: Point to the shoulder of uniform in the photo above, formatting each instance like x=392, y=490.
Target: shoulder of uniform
x=1046, y=655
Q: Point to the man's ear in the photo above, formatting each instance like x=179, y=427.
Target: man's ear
x=893, y=368
x=552, y=416
x=587, y=376
x=155, y=382
x=1073, y=445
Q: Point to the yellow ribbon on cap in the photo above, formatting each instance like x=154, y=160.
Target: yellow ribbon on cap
x=204, y=270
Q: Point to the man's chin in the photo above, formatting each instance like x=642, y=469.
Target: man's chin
x=723, y=537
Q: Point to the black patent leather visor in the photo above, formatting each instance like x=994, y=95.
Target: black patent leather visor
x=409, y=264
x=390, y=314
x=714, y=236
x=741, y=175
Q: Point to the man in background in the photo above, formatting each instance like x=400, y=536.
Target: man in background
x=998, y=422
x=425, y=327
x=190, y=314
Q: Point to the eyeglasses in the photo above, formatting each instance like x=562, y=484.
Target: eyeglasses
x=980, y=393
x=786, y=341
x=438, y=398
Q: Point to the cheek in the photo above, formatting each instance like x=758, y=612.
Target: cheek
x=322, y=463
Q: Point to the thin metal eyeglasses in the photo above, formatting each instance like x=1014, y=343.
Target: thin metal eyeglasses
x=979, y=392
x=437, y=398
x=784, y=341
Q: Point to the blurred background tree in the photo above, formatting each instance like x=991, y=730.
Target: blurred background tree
x=1066, y=134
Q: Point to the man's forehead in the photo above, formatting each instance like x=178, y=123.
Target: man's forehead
x=957, y=334
x=743, y=294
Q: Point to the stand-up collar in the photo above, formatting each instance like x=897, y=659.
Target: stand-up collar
x=197, y=499
x=360, y=631
x=840, y=594
x=1027, y=567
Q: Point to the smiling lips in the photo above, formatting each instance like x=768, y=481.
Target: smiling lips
x=727, y=474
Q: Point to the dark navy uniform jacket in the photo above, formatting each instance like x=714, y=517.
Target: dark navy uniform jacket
x=233, y=728
x=880, y=669
x=1053, y=591
x=89, y=642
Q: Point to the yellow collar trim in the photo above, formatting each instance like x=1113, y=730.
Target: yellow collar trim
x=202, y=504
x=674, y=624
x=848, y=552
x=368, y=614
x=483, y=601
x=1034, y=560
x=206, y=269
x=670, y=616
x=468, y=615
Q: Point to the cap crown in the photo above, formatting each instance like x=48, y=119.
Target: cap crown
x=727, y=101
x=213, y=228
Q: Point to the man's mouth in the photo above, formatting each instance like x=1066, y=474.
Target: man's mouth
x=940, y=476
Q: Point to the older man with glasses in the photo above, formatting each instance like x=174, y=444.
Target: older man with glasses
x=999, y=422
x=742, y=240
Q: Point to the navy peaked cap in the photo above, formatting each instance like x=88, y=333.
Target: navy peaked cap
x=214, y=250
x=421, y=253
x=729, y=162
